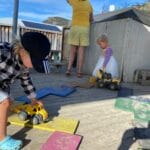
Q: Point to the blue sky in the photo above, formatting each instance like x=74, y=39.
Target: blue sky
x=39, y=10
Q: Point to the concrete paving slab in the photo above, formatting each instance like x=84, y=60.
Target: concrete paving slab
x=102, y=126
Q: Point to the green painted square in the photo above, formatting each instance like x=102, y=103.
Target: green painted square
x=142, y=111
x=124, y=104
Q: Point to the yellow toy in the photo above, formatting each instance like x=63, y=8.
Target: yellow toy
x=36, y=112
x=105, y=80
x=92, y=80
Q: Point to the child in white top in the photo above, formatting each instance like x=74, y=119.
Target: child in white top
x=106, y=61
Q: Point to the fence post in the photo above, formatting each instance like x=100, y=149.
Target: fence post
x=15, y=19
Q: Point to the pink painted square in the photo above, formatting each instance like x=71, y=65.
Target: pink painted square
x=62, y=141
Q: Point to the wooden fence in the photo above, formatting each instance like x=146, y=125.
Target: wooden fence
x=54, y=37
x=5, y=33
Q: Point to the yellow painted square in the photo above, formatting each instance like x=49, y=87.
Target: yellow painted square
x=56, y=124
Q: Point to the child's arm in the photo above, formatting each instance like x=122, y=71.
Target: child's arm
x=27, y=84
x=108, y=54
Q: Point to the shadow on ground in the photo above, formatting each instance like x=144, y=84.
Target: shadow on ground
x=132, y=135
x=21, y=134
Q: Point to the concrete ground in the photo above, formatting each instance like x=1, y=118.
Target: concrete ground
x=101, y=125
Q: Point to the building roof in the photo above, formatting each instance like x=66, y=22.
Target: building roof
x=30, y=24
x=8, y=21
x=133, y=13
x=42, y=26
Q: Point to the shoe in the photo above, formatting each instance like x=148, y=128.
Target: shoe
x=79, y=75
x=68, y=73
x=10, y=144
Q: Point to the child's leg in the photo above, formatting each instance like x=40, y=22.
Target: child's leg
x=4, y=107
x=6, y=142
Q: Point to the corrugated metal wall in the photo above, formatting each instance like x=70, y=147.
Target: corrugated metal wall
x=130, y=42
x=66, y=46
x=116, y=34
x=137, y=50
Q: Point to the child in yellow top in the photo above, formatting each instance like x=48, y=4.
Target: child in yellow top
x=79, y=32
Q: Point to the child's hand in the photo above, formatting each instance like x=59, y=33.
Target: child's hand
x=104, y=69
x=35, y=102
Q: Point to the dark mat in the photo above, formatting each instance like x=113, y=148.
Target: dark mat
x=125, y=92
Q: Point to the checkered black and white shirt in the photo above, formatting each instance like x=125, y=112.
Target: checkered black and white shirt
x=11, y=68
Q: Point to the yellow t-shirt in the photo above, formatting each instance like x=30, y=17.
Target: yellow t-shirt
x=81, y=12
